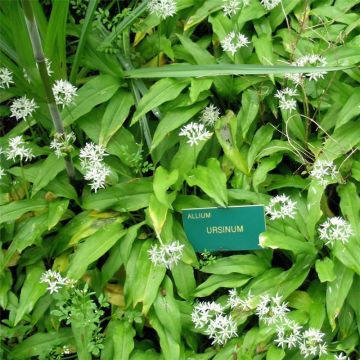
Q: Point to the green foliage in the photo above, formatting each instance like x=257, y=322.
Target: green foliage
x=142, y=79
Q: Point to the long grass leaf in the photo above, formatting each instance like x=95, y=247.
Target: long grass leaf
x=179, y=70
x=84, y=31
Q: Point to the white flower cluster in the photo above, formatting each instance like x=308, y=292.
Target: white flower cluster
x=334, y=229
x=62, y=143
x=270, y=4
x=312, y=343
x=234, y=41
x=162, y=8
x=55, y=281
x=210, y=317
x=167, y=255
x=324, y=171
x=64, y=92
x=341, y=356
x=280, y=207
x=17, y=148
x=195, y=133
x=271, y=310
x=22, y=107
x=288, y=334
x=231, y=7
x=240, y=303
x=312, y=60
x=91, y=160
x=210, y=115
x=286, y=101
x=6, y=78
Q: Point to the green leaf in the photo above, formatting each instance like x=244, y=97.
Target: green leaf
x=211, y=179
x=275, y=353
x=250, y=104
x=147, y=279
x=93, y=248
x=162, y=91
x=162, y=182
x=184, y=280
x=47, y=172
x=186, y=71
x=325, y=269
x=57, y=209
x=115, y=114
x=41, y=344
x=96, y=91
x=31, y=291
x=215, y=282
x=198, y=86
x=251, y=265
x=173, y=119
x=314, y=196
x=123, y=339
x=15, y=209
x=127, y=196
x=337, y=291
x=158, y=213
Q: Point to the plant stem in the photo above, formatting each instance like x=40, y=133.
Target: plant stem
x=40, y=60
x=24, y=179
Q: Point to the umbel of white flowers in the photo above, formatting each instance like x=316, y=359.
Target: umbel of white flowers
x=231, y=7
x=286, y=101
x=18, y=149
x=280, y=207
x=6, y=78
x=162, y=8
x=64, y=92
x=22, y=107
x=62, y=143
x=270, y=4
x=167, y=255
x=324, y=171
x=234, y=41
x=210, y=115
x=335, y=229
x=55, y=281
x=195, y=133
x=91, y=160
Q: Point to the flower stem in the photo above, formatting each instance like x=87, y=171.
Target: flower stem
x=24, y=179
x=40, y=60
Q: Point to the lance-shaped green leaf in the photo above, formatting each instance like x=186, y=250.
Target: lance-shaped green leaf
x=31, y=291
x=96, y=91
x=211, y=179
x=162, y=91
x=225, y=130
x=184, y=279
x=315, y=194
x=115, y=114
x=47, y=172
x=325, y=269
x=186, y=71
x=337, y=291
x=93, y=248
x=15, y=209
x=157, y=212
x=147, y=279
x=123, y=339
x=162, y=182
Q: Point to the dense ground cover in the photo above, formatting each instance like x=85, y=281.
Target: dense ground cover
x=116, y=115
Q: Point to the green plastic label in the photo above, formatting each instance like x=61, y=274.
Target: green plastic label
x=224, y=229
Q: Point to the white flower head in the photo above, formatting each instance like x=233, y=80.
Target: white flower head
x=335, y=229
x=231, y=7
x=280, y=207
x=270, y=4
x=91, y=160
x=2, y=172
x=288, y=334
x=203, y=312
x=6, y=78
x=271, y=310
x=167, y=255
x=221, y=329
x=55, y=281
x=195, y=133
x=243, y=303
x=234, y=41
x=210, y=115
x=286, y=101
x=18, y=148
x=62, y=143
x=312, y=60
x=312, y=343
x=324, y=171
x=22, y=107
x=64, y=92
x=162, y=8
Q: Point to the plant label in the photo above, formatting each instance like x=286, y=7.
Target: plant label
x=224, y=229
